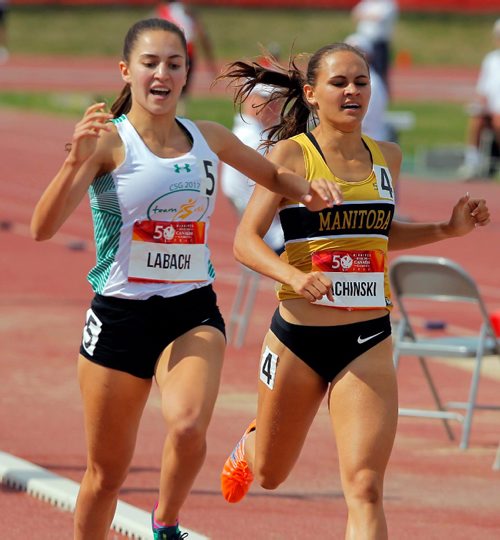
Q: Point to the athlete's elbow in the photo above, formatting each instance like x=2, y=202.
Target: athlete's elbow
x=39, y=233
x=40, y=237
x=238, y=251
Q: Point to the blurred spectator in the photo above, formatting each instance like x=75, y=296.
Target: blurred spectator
x=255, y=116
x=375, y=20
x=4, y=52
x=485, y=113
x=196, y=34
x=374, y=122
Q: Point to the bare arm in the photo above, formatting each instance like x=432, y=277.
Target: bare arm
x=466, y=215
x=316, y=195
x=251, y=250
x=71, y=182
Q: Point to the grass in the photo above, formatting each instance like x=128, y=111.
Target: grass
x=98, y=31
x=430, y=129
x=437, y=123
x=236, y=32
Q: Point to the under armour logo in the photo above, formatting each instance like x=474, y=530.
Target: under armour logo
x=186, y=167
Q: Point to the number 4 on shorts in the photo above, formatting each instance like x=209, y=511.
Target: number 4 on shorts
x=268, y=364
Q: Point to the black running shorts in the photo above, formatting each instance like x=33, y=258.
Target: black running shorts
x=129, y=335
x=329, y=349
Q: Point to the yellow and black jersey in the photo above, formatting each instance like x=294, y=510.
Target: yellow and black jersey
x=347, y=242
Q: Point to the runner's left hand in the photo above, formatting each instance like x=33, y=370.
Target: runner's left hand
x=322, y=194
x=467, y=214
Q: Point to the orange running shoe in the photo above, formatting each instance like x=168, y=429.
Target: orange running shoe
x=236, y=476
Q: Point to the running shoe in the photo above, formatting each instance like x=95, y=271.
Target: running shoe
x=168, y=533
x=236, y=476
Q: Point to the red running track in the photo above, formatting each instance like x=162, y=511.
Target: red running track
x=433, y=490
x=101, y=75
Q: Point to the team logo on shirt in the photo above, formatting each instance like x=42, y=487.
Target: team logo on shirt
x=188, y=197
x=178, y=168
x=179, y=206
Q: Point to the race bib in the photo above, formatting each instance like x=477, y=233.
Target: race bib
x=168, y=251
x=384, y=182
x=357, y=277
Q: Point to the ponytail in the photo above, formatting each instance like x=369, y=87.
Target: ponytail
x=122, y=103
x=286, y=86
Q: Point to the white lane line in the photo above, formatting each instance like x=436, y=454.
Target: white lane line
x=61, y=492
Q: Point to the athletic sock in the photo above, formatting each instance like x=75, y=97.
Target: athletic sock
x=158, y=524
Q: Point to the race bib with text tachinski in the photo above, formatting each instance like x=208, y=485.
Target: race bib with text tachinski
x=357, y=277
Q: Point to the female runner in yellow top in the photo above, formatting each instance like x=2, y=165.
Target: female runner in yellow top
x=331, y=333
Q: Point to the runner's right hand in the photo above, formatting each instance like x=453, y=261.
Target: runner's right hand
x=87, y=131
x=312, y=286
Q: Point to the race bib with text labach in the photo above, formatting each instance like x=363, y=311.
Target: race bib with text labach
x=168, y=251
x=357, y=277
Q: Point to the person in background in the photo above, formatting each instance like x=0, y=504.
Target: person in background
x=330, y=336
x=374, y=122
x=197, y=36
x=484, y=111
x=4, y=51
x=375, y=20
x=256, y=115
x=152, y=180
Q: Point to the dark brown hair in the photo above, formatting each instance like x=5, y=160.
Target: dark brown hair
x=288, y=86
x=123, y=102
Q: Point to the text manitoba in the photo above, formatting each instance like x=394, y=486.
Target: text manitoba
x=355, y=219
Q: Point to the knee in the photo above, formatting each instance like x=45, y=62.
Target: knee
x=364, y=487
x=187, y=434
x=105, y=478
x=268, y=478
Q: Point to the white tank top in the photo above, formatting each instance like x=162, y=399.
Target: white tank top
x=151, y=219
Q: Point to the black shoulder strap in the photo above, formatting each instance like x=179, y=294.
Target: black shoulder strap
x=312, y=138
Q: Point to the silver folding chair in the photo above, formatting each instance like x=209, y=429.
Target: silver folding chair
x=418, y=283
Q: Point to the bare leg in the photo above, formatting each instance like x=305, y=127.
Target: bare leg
x=363, y=401
x=188, y=376
x=476, y=124
x=473, y=160
x=113, y=402
x=284, y=416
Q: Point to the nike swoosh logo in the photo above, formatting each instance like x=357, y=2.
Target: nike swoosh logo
x=364, y=340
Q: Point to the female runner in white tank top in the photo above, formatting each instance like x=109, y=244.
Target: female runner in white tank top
x=152, y=182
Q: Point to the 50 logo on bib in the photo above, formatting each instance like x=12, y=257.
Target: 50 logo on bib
x=168, y=251
x=357, y=277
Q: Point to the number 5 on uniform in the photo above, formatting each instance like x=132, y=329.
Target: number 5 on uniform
x=268, y=364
